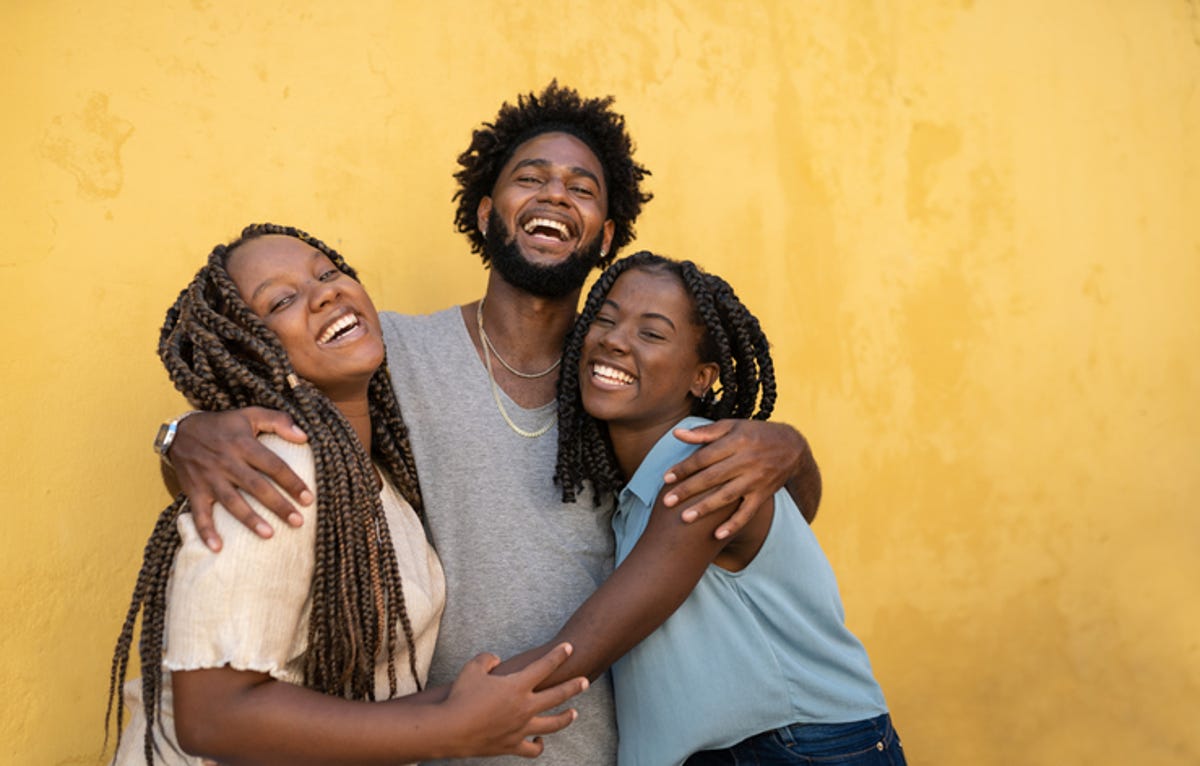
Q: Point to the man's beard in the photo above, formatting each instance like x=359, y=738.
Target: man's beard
x=556, y=281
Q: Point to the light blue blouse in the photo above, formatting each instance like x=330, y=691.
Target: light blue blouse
x=748, y=651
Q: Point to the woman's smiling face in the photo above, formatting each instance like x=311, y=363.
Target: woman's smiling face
x=323, y=318
x=640, y=367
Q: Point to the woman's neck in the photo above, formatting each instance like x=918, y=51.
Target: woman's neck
x=632, y=444
x=357, y=412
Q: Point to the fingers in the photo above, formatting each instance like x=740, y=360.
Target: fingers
x=725, y=499
x=218, y=455
x=201, y=508
x=264, y=421
x=556, y=695
x=226, y=476
x=548, y=724
x=235, y=503
x=691, y=476
x=740, y=518
x=265, y=462
x=712, y=485
x=483, y=663
x=541, y=668
x=512, y=716
x=705, y=434
x=529, y=748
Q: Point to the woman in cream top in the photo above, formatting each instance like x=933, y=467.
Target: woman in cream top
x=312, y=646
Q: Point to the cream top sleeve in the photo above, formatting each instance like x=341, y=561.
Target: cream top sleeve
x=247, y=606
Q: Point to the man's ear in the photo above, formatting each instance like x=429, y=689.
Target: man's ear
x=482, y=213
x=706, y=375
x=610, y=229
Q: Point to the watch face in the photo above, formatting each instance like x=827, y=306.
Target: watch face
x=160, y=441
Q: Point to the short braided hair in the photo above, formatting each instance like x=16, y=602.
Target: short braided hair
x=556, y=108
x=732, y=338
x=221, y=356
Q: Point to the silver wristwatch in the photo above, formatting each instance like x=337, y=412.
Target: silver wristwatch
x=166, y=435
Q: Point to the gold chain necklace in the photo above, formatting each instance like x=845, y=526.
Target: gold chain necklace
x=488, y=342
x=487, y=360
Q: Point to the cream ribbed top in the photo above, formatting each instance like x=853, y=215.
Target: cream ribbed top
x=247, y=607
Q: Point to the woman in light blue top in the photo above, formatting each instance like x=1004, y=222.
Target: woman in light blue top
x=723, y=651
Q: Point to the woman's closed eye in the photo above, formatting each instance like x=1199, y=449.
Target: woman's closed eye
x=281, y=302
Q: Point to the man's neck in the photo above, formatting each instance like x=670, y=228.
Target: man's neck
x=527, y=329
x=527, y=332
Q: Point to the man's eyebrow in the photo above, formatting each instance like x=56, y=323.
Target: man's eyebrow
x=540, y=162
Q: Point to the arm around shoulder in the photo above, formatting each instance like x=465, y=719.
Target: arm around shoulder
x=216, y=456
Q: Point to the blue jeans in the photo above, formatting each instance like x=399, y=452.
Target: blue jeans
x=863, y=743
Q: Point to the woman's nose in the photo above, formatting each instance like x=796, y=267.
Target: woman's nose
x=614, y=339
x=323, y=293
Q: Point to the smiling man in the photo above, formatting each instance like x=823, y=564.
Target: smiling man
x=546, y=192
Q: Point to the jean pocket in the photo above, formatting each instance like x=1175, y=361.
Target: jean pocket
x=860, y=742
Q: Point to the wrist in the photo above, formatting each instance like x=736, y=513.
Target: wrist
x=167, y=433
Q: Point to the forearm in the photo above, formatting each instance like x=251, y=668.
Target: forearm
x=272, y=722
x=646, y=589
x=595, y=649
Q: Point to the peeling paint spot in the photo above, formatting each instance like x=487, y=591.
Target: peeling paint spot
x=929, y=146
x=88, y=146
x=1095, y=286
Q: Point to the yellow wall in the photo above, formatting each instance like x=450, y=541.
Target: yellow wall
x=971, y=229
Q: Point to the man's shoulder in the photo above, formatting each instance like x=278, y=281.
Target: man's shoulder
x=400, y=326
x=403, y=317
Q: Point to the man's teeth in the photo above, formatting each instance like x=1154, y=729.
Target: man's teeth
x=547, y=223
x=348, y=322
x=611, y=374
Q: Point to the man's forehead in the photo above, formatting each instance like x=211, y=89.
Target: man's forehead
x=537, y=144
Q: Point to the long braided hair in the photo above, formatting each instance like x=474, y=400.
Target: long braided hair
x=732, y=338
x=221, y=356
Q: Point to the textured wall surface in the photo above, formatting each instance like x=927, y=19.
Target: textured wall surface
x=970, y=228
